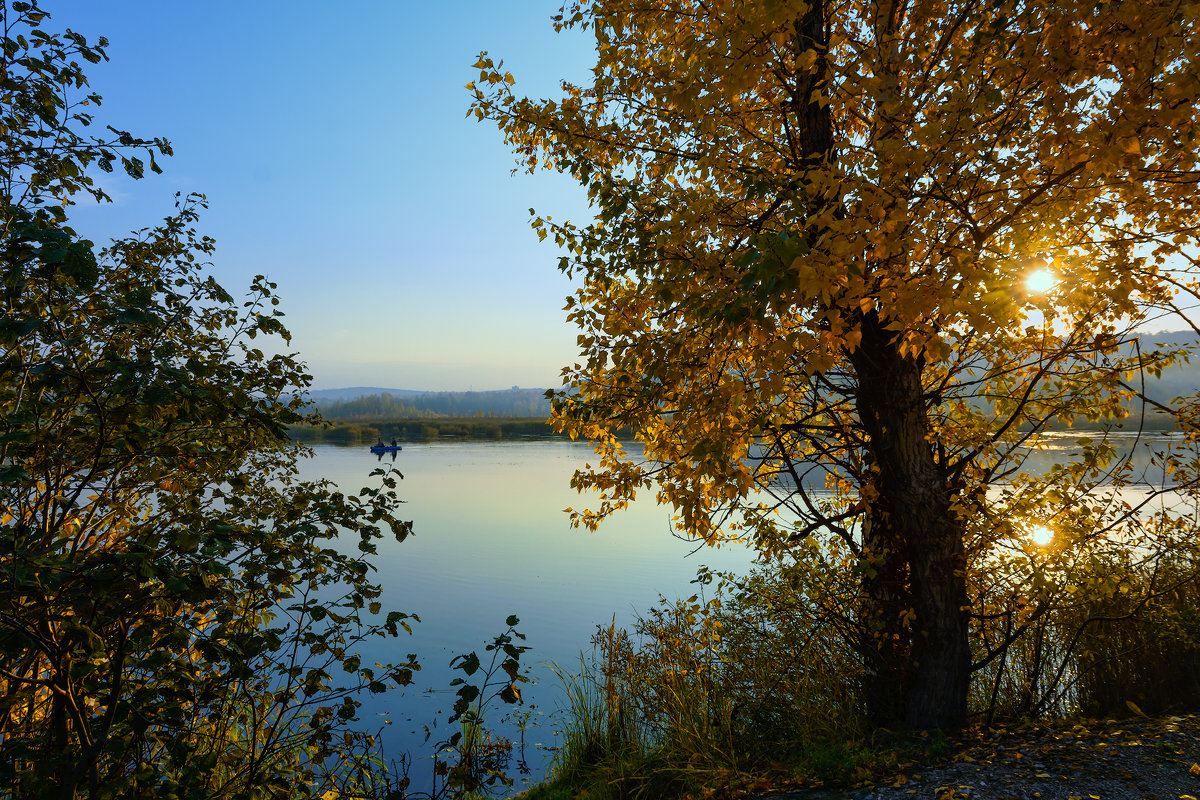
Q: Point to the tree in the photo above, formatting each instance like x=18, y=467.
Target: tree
x=173, y=616
x=804, y=290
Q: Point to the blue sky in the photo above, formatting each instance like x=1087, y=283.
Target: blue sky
x=332, y=143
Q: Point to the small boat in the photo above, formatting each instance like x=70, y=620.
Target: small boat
x=386, y=448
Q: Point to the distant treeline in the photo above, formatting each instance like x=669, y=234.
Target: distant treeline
x=424, y=429
x=1136, y=421
x=523, y=403
x=522, y=413
x=430, y=428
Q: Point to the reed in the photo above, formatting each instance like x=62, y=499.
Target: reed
x=711, y=692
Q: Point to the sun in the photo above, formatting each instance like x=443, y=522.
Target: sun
x=1041, y=535
x=1039, y=281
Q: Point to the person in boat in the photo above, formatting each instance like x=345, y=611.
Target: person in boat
x=394, y=442
x=380, y=442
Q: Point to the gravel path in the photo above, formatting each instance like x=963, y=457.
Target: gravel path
x=1133, y=759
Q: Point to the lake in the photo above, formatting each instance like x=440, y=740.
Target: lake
x=491, y=539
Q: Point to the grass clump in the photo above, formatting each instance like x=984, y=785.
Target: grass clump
x=748, y=678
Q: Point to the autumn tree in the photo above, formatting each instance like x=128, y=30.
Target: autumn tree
x=174, y=619
x=804, y=288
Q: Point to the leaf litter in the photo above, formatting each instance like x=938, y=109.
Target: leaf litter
x=1139, y=758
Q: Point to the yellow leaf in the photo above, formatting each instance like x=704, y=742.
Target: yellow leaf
x=951, y=792
x=1132, y=706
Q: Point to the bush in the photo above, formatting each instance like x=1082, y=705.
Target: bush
x=173, y=619
x=762, y=675
x=707, y=690
x=1112, y=622
x=1142, y=650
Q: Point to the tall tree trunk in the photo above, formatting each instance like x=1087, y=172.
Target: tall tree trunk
x=914, y=583
x=915, y=596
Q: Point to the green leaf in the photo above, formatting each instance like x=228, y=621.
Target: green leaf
x=468, y=663
x=13, y=473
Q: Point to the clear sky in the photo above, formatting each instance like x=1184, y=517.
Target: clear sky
x=332, y=143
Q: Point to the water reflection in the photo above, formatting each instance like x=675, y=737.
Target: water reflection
x=1144, y=452
x=490, y=539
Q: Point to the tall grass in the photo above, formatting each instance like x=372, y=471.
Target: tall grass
x=712, y=691
x=1114, y=630
x=1144, y=650
x=759, y=676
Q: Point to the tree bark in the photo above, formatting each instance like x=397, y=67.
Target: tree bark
x=915, y=611
x=914, y=583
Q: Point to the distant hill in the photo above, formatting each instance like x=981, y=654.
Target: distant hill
x=321, y=396
x=385, y=404
x=373, y=403
x=1176, y=381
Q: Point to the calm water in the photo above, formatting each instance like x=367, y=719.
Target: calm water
x=491, y=539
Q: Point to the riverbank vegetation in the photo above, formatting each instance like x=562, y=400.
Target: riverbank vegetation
x=755, y=682
x=424, y=429
x=427, y=429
